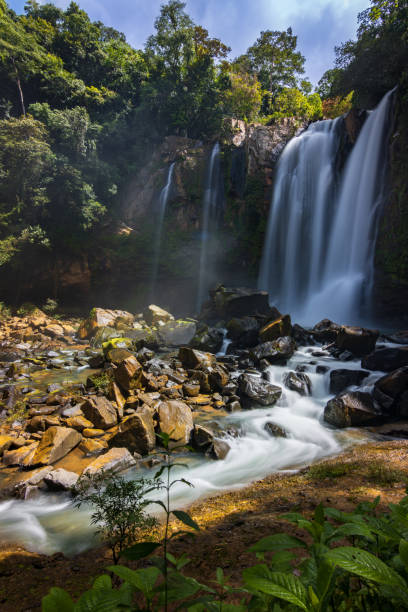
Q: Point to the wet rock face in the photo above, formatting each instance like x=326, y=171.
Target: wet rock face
x=326, y=331
x=351, y=409
x=276, y=329
x=391, y=392
x=207, y=339
x=386, y=359
x=342, y=378
x=136, y=432
x=191, y=358
x=274, y=430
x=278, y=351
x=298, y=381
x=255, y=390
x=357, y=340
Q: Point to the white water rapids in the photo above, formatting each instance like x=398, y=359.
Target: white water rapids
x=50, y=523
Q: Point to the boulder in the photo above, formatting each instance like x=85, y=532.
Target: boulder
x=176, y=333
x=55, y=444
x=341, y=379
x=99, y=410
x=104, y=334
x=357, y=340
x=255, y=390
x=115, y=395
x=53, y=330
x=326, y=331
x=191, y=358
x=244, y=331
x=386, y=359
x=207, y=339
x=202, y=438
x=218, y=377
x=299, y=382
x=5, y=442
x=90, y=432
x=114, y=461
x=41, y=423
x=391, y=392
x=302, y=336
x=154, y=314
x=219, y=449
x=400, y=337
x=227, y=303
x=17, y=456
x=136, y=432
x=191, y=388
x=101, y=317
x=176, y=419
x=60, y=479
x=276, y=329
x=90, y=446
x=274, y=430
x=128, y=374
x=116, y=355
x=277, y=351
x=350, y=409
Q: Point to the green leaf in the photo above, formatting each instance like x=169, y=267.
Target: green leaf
x=278, y=541
x=353, y=529
x=140, y=550
x=102, y=582
x=57, y=600
x=186, y=519
x=319, y=514
x=283, y=586
x=365, y=565
x=182, y=587
x=99, y=600
x=141, y=579
x=403, y=551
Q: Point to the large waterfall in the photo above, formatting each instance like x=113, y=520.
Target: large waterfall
x=212, y=207
x=319, y=248
x=163, y=200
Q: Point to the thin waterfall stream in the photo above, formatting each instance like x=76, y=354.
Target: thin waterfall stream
x=163, y=201
x=210, y=216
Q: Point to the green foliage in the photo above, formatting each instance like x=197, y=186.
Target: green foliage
x=118, y=508
x=369, y=573
x=378, y=59
x=50, y=306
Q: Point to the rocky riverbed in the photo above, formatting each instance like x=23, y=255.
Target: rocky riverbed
x=250, y=392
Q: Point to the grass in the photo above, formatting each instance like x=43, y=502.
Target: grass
x=330, y=470
x=382, y=474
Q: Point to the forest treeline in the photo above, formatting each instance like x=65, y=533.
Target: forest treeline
x=80, y=108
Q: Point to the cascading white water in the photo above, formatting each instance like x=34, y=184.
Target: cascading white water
x=163, y=201
x=51, y=523
x=209, y=221
x=319, y=248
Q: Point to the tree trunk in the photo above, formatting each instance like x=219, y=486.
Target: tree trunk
x=20, y=91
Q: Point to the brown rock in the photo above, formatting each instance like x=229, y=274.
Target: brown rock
x=128, y=374
x=115, y=460
x=41, y=423
x=176, y=419
x=154, y=314
x=276, y=329
x=5, y=443
x=114, y=394
x=100, y=412
x=357, y=340
x=55, y=444
x=53, y=330
x=60, y=479
x=17, y=456
x=350, y=409
x=191, y=358
x=92, y=433
x=79, y=423
x=92, y=447
x=136, y=432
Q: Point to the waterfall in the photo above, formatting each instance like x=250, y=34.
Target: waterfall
x=163, y=200
x=212, y=207
x=318, y=258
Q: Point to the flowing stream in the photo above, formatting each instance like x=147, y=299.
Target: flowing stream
x=50, y=523
x=320, y=241
x=163, y=200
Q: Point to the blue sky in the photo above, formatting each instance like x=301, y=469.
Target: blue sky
x=319, y=24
